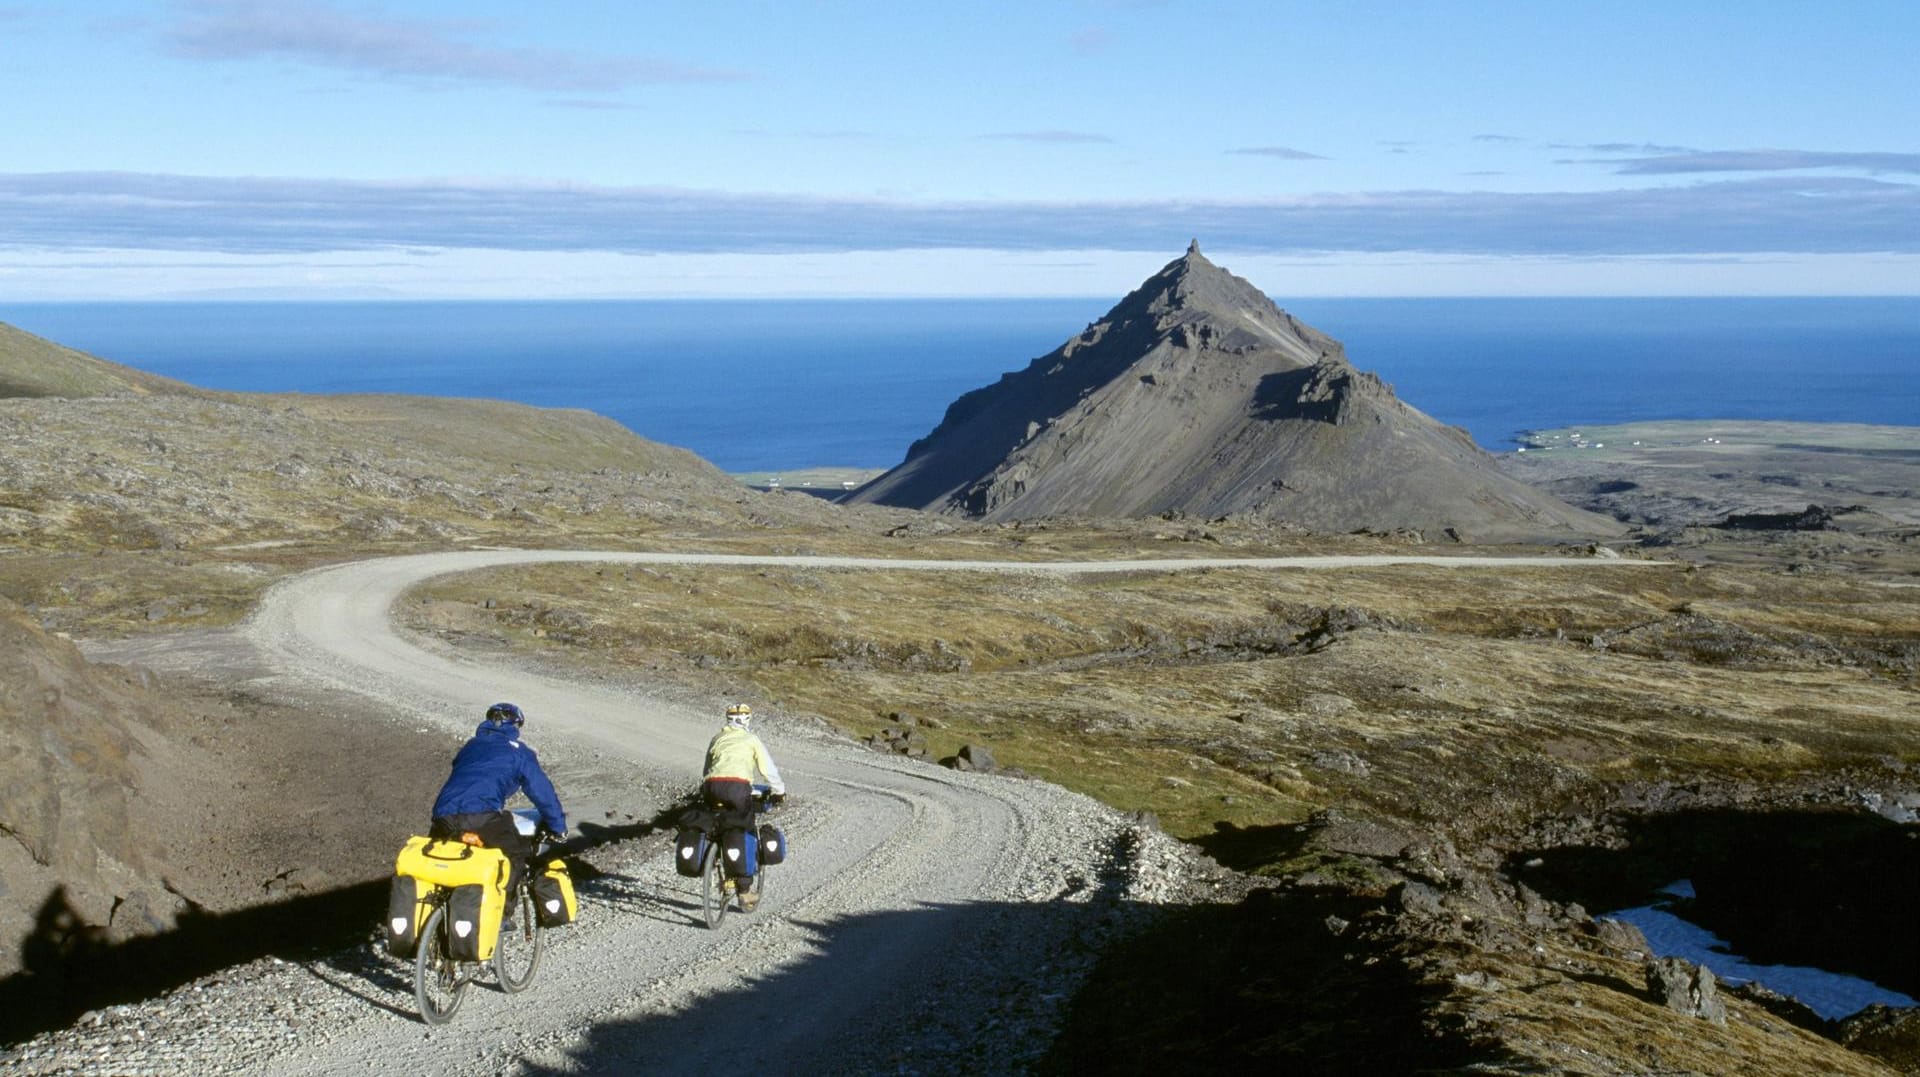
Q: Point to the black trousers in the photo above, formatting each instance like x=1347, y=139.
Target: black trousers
x=732, y=802
x=497, y=830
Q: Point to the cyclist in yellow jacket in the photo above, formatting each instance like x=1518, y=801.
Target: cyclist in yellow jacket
x=735, y=758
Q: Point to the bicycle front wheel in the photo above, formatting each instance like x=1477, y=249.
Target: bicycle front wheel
x=439, y=983
x=516, y=957
x=714, y=897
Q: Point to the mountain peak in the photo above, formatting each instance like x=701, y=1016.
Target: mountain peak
x=1191, y=297
x=1197, y=394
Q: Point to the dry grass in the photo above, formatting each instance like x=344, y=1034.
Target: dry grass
x=1458, y=698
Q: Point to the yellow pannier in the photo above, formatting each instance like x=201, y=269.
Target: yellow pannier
x=553, y=896
x=451, y=862
x=477, y=879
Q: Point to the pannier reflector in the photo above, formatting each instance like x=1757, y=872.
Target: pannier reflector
x=773, y=846
x=733, y=854
x=553, y=904
x=463, y=928
x=399, y=925
x=686, y=853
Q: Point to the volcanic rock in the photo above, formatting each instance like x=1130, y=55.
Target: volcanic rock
x=1814, y=518
x=1197, y=395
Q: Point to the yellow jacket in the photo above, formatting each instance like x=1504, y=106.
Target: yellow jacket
x=737, y=753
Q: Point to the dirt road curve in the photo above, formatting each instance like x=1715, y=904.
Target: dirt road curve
x=930, y=921
x=332, y=626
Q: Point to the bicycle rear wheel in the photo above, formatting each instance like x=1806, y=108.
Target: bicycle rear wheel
x=516, y=957
x=439, y=983
x=714, y=898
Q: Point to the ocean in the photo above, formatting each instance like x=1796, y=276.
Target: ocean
x=758, y=385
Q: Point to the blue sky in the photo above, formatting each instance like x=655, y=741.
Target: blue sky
x=1052, y=147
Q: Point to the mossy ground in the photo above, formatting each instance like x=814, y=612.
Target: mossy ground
x=1457, y=698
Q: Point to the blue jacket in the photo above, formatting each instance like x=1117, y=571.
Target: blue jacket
x=492, y=767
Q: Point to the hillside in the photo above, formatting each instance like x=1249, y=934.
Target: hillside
x=71, y=736
x=1197, y=395
x=105, y=458
x=133, y=504
x=31, y=366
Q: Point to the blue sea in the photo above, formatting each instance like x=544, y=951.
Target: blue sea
x=772, y=385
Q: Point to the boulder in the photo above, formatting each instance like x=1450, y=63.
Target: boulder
x=1686, y=988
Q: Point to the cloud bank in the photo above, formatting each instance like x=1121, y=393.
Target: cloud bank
x=139, y=211
x=325, y=36
x=1768, y=161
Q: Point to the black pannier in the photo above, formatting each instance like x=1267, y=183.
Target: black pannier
x=465, y=908
x=737, y=851
x=404, y=915
x=690, y=851
x=773, y=844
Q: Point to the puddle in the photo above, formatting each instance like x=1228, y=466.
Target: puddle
x=1784, y=897
x=1832, y=995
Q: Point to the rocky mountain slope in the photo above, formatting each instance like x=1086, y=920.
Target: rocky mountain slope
x=79, y=854
x=1197, y=395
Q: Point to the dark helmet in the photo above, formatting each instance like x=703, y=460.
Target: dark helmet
x=506, y=714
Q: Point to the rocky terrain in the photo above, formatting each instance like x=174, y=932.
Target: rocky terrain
x=1197, y=395
x=131, y=504
x=1425, y=782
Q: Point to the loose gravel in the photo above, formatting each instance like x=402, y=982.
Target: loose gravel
x=928, y=922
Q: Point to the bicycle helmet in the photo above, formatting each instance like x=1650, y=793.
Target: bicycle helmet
x=739, y=714
x=506, y=714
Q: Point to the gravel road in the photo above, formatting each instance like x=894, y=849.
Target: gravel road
x=929, y=921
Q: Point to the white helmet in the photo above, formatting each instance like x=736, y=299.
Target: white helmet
x=739, y=714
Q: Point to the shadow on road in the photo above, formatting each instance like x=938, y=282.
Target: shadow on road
x=1263, y=981
x=1260, y=982
x=69, y=967
x=1277, y=983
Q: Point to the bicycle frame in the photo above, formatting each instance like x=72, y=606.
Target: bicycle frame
x=440, y=980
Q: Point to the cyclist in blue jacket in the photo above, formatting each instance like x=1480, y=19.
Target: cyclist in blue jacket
x=488, y=770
